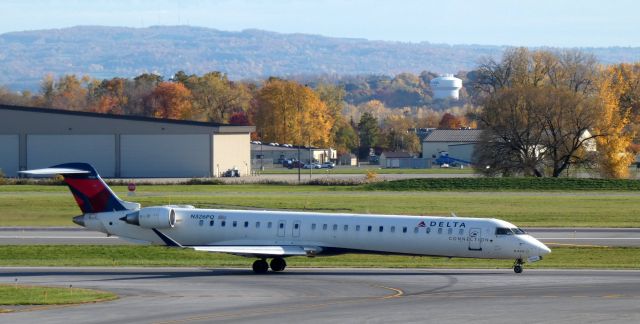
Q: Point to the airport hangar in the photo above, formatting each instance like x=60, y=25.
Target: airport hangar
x=120, y=146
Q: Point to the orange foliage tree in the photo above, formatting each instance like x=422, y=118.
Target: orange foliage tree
x=169, y=100
x=614, y=155
x=288, y=112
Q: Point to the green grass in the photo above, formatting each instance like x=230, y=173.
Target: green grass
x=151, y=256
x=54, y=205
x=38, y=295
x=505, y=184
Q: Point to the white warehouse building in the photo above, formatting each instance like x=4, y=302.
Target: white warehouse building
x=446, y=86
x=120, y=146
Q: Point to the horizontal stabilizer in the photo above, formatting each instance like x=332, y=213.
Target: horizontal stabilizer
x=52, y=171
x=260, y=251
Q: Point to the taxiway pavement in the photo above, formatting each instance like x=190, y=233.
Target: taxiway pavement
x=193, y=295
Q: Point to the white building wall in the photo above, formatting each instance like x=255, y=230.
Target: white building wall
x=231, y=151
x=429, y=149
x=9, y=154
x=462, y=151
x=47, y=150
x=153, y=156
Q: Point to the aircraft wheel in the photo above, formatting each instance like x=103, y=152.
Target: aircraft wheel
x=260, y=266
x=517, y=268
x=278, y=264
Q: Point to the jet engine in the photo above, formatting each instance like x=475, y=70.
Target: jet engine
x=152, y=217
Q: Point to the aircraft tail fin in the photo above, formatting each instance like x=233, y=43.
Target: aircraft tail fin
x=91, y=193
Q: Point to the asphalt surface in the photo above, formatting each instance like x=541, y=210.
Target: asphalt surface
x=551, y=236
x=171, y=295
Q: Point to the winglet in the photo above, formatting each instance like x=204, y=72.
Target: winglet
x=167, y=240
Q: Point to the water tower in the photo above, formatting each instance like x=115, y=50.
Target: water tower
x=446, y=86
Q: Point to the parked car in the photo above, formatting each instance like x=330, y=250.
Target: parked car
x=312, y=166
x=328, y=165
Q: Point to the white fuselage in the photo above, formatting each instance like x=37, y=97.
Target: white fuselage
x=332, y=233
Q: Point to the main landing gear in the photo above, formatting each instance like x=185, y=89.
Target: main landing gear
x=261, y=266
x=517, y=266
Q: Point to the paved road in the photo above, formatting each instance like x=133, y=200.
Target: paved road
x=551, y=236
x=191, y=295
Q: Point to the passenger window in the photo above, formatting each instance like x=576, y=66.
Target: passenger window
x=313, y=227
x=324, y=227
x=296, y=225
x=211, y=223
x=415, y=230
x=404, y=229
x=461, y=231
x=201, y=222
x=381, y=229
x=335, y=227
x=223, y=223
x=235, y=223
x=428, y=230
x=257, y=224
x=246, y=224
x=369, y=228
x=357, y=228
x=393, y=229
x=450, y=231
x=269, y=225
x=281, y=225
x=439, y=230
x=346, y=228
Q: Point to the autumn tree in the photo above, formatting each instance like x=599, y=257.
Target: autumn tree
x=369, y=134
x=215, y=97
x=615, y=91
x=450, y=121
x=239, y=119
x=288, y=112
x=140, y=92
x=396, y=134
x=169, y=100
x=539, y=111
x=110, y=96
x=345, y=137
x=68, y=92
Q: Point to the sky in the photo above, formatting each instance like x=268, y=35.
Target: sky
x=557, y=23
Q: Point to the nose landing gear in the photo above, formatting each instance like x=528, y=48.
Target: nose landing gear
x=517, y=266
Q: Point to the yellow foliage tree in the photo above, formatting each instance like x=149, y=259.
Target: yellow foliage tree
x=614, y=157
x=288, y=112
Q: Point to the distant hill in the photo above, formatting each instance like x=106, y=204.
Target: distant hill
x=105, y=52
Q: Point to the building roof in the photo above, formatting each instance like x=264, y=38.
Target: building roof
x=110, y=116
x=396, y=155
x=454, y=135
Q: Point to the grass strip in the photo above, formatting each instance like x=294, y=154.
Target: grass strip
x=151, y=256
x=39, y=295
x=505, y=184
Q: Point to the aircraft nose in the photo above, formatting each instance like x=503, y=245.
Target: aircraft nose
x=543, y=249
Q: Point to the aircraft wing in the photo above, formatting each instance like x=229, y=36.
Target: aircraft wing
x=261, y=250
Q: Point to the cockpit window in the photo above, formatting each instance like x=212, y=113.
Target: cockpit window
x=503, y=231
x=518, y=231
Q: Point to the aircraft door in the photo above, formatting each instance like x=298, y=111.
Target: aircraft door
x=295, y=231
x=475, y=239
x=282, y=228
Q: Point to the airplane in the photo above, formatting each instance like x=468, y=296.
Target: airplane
x=277, y=235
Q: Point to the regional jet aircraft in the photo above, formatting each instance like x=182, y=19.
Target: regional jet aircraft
x=276, y=235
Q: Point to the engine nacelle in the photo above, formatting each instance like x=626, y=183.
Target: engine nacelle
x=152, y=217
